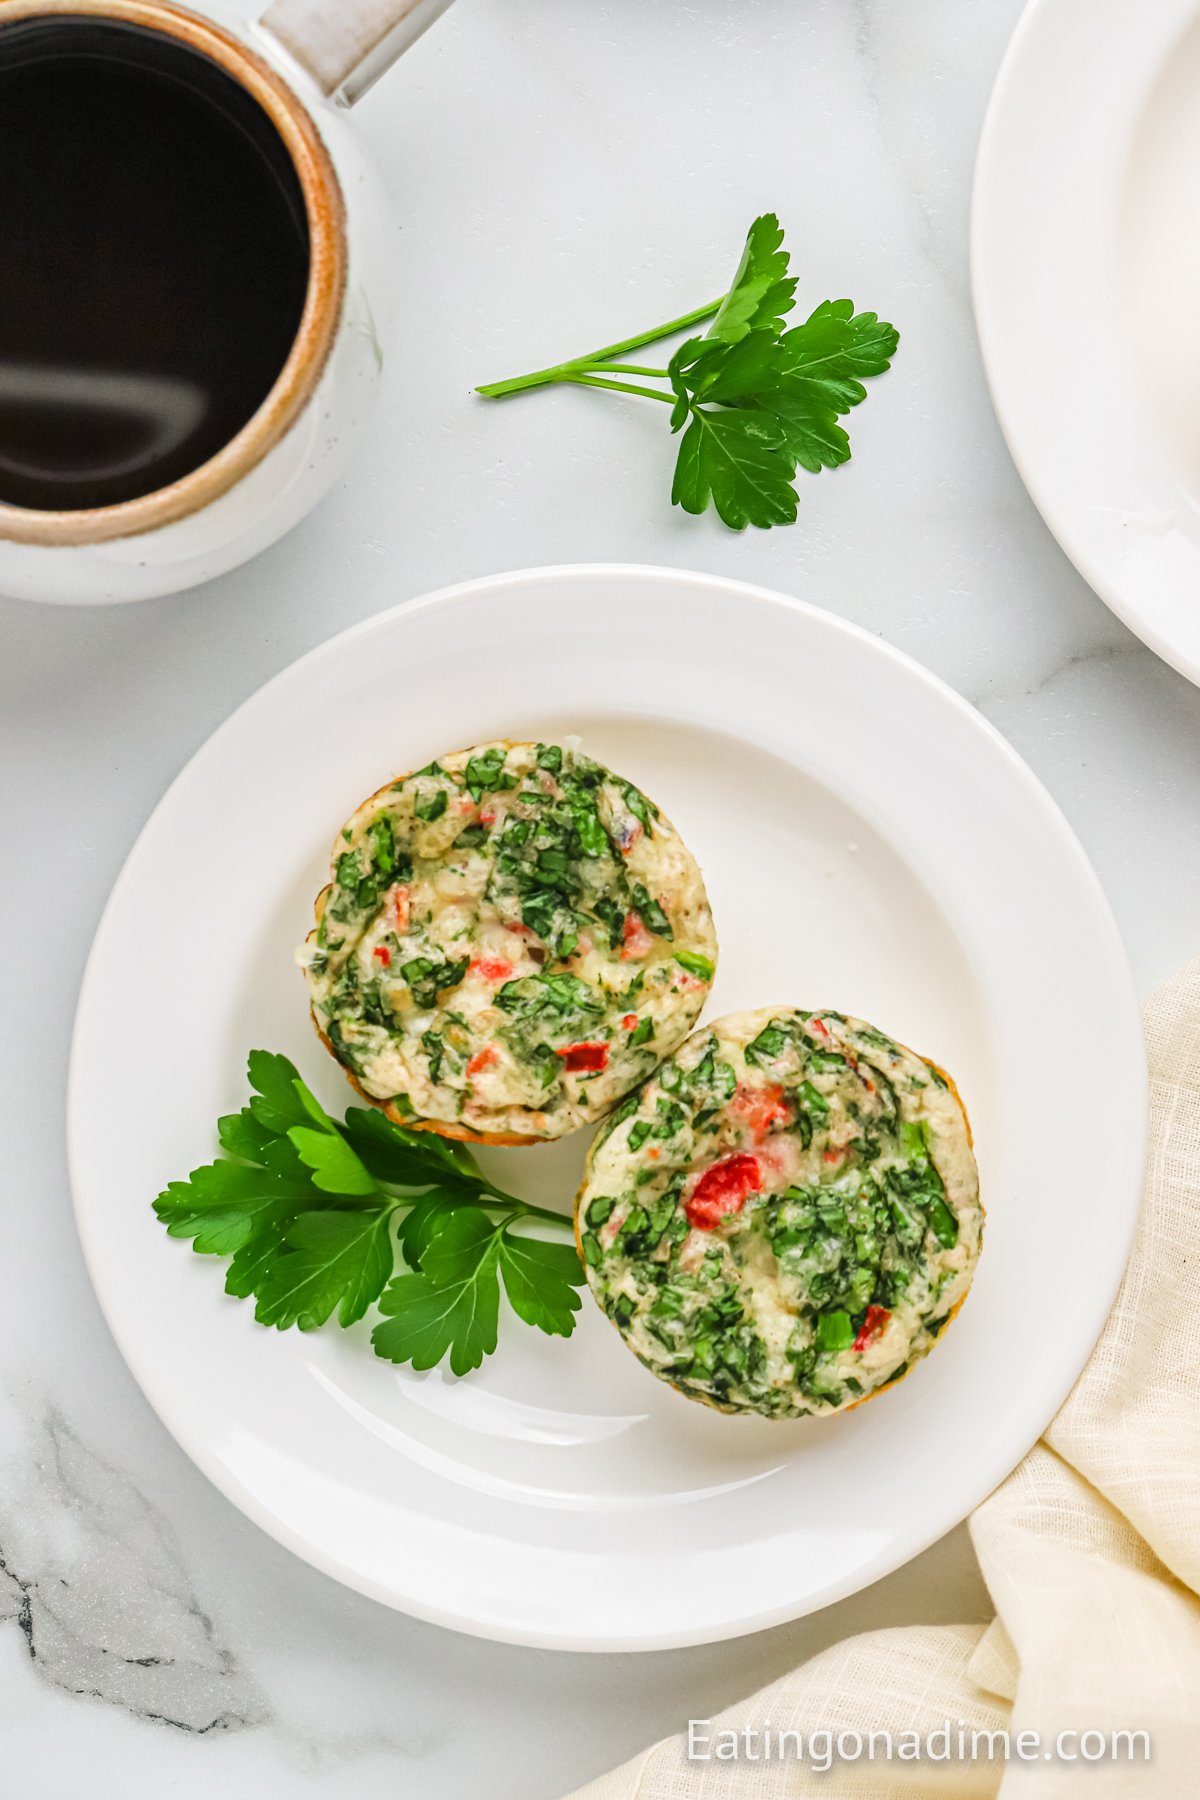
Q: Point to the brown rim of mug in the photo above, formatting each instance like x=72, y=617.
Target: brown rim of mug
x=306, y=360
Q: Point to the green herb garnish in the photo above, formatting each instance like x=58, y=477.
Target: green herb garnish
x=311, y=1213
x=754, y=402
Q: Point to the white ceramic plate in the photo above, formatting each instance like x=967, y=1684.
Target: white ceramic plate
x=1086, y=275
x=869, y=843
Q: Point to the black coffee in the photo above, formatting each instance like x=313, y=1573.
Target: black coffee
x=153, y=261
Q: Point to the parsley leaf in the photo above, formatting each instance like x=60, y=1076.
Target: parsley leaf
x=311, y=1213
x=252, y=1264
x=729, y=458
x=333, y=1259
x=828, y=356
x=762, y=290
x=540, y=1280
x=712, y=371
x=277, y=1103
x=409, y=1158
x=754, y=402
x=452, y=1306
x=225, y=1204
x=466, y=1241
x=241, y=1134
x=429, y=1321
x=421, y=1226
x=336, y=1169
x=810, y=435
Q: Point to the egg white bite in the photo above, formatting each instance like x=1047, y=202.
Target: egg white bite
x=785, y=1216
x=513, y=937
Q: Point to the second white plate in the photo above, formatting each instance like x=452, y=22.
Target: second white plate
x=1085, y=257
x=869, y=843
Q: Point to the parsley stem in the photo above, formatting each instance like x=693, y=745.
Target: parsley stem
x=618, y=387
x=616, y=368
x=661, y=331
x=488, y=1196
x=522, y=1209
x=567, y=371
x=551, y=1218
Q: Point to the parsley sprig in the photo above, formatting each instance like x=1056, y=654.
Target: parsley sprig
x=755, y=402
x=311, y=1214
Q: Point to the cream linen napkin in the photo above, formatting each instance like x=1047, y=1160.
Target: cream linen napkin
x=1091, y=1550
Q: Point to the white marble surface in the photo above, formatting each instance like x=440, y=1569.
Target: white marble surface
x=562, y=172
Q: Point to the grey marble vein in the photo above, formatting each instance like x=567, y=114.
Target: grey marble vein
x=94, y=1579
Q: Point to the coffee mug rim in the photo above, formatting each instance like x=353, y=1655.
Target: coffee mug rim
x=297, y=381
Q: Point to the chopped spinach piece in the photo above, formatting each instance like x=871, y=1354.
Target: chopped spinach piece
x=342, y=1049
x=561, y=996
x=486, y=773
x=618, y=1115
x=653, y=914
x=943, y=1223
x=612, y=917
x=834, y=1332
x=593, y=838
x=427, y=976
x=347, y=871
x=643, y=810
x=814, y=1101
x=355, y=891
x=670, y=1118
x=375, y=1009
x=434, y=1049
x=431, y=806
x=383, y=844
x=770, y=1044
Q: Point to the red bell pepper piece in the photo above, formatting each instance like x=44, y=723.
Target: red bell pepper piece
x=583, y=1058
x=877, y=1317
x=723, y=1189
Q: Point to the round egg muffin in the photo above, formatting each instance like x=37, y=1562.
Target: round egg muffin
x=513, y=937
x=786, y=1215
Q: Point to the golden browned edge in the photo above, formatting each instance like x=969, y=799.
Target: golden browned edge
x=884, y=1387
x=298, y=378
x=505, y=1139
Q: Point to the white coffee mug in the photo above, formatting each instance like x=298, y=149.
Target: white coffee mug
x=304, y=62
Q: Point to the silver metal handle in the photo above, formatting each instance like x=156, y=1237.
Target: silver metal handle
x=346, y=45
